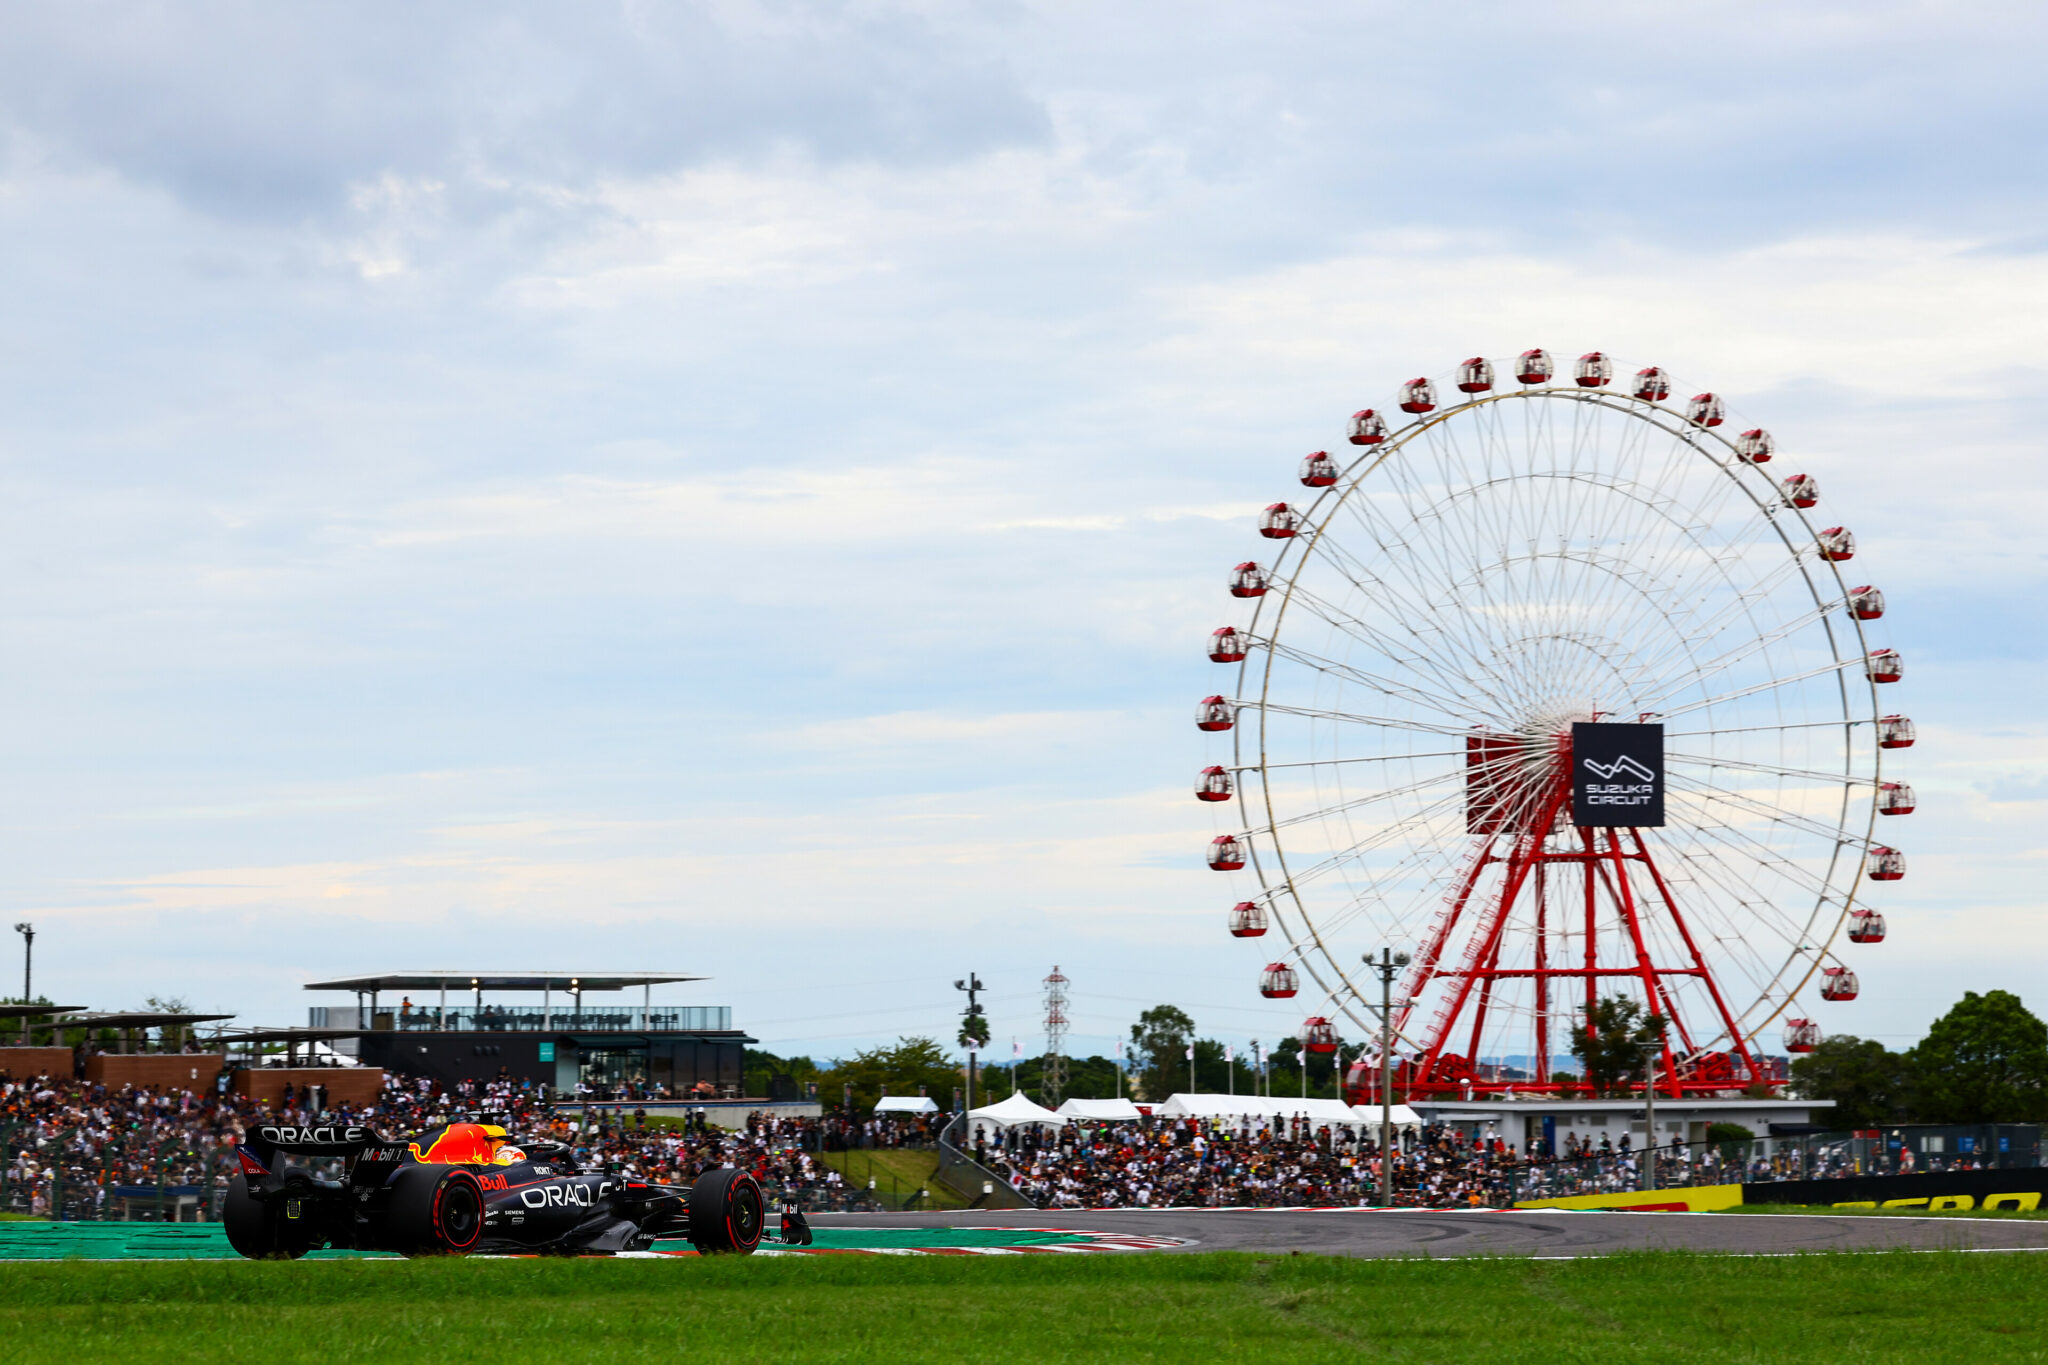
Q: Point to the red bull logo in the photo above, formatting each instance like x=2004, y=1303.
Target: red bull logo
x=468, y=1144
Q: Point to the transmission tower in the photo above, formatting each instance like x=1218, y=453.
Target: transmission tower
x=1053, y=1075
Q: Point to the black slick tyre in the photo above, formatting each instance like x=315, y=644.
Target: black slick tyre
x=434, y=1211
x=256, y=1228
x=727, y=1213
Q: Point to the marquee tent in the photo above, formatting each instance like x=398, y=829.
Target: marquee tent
x=1101, y=1111
x=1274, y=1107
x=1403, y=1116
x=906, y=1104
x=1014, y=1112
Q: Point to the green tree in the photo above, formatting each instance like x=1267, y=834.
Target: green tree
x=1611, y=1041
x=1284, y=1067
x=897, y=1070
x=1870, y=1084
x=1159, y=1042
x=1985, y=1061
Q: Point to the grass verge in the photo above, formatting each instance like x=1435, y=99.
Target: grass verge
x=1663, y=1307
x=897, y=1172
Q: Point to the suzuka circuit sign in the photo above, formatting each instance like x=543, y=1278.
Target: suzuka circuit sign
x=1617, y=774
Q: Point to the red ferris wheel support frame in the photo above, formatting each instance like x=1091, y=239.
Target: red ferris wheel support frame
x=1617, y=867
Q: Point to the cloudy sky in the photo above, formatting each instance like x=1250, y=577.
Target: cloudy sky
x=740, y=488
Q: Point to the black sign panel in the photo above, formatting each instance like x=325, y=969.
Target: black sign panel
x=1617, y=774
x=2011, y=1189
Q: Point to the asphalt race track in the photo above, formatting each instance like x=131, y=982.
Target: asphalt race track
x=1369, y=1232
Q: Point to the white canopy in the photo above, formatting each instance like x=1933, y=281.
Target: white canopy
x=1275, y=1107
x=1403, y=1116
x=1100, y=1111
x=906, y=1104
x=1014, y=1111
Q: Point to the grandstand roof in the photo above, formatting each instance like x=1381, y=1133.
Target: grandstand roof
x=137, y=1019
x=36, y=1011
x=500, y=981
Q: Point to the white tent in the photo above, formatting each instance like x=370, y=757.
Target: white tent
x=1013, y=1112
x=1274, y=1108
x=1100, y=1111
x=1403, y=1116
x=906, y=1104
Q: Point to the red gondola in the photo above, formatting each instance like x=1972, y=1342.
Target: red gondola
x=1756, y=446
x=1801, y=1035
x=1535, y=366
x=1368, y=428
x=1278, y=981
x=1866, y=603
x=1226, y=853
x=1838, y=983
x=1248, y=580
x=1318, y=470
x=1475, y=375
x=1318, y=1035
x=1652, y=384
x=1418, y=395
x=1894, y=798
x=1838, y=543
x=1885, y=864
x=1227, y=645
x=1247, y=919
x=1895, y=732
x=1800, y=490
x=1213, y=784
x=1279, y=522
x=1866, y=926
x=1593, y=371
x=1214, y=714
x=1706, y=410
x=1885, y=666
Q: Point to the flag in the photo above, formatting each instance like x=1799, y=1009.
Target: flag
x=1016, y=1051
x=1119, y=1049
x=1229, y=1053
x=1191, y=1052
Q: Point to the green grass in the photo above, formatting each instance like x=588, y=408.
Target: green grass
x=1660, y=1307
x=897, y=1171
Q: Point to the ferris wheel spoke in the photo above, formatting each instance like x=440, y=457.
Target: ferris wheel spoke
x=1765, y=809
x=1354, y=718
x=1394, y=651
x=1361, y=802
x=1743, y=765
x=1322, y=867
x=1448, y=706
x=1336, y=762
x=1824, y=670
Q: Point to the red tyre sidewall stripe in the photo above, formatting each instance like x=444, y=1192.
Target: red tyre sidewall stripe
x=440, y=1229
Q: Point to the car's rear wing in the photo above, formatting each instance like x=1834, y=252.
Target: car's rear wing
x=359, y=1141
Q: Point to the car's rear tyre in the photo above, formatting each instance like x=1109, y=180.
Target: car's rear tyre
x=727, y=1213
x=434, y=1211
x=258, y=1228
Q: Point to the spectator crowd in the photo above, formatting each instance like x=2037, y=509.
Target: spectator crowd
x=83, y=1149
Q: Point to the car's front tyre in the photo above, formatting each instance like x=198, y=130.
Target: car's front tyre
x=727, y=1213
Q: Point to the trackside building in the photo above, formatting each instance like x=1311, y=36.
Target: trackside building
x=452, y=1026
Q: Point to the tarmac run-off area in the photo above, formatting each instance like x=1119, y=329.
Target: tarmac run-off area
x=1421, y=1233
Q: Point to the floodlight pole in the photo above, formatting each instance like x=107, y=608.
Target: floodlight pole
x=1388, y=963
x=971, y=984
x=28, y=950
x=1651, y=1054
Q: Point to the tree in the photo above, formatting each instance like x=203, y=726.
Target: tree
x=1159, y=1042
x=1612, y=1041
x=1284, y=1066
x=1870, y=1084
x=1985, y=1061
x=897, y=1070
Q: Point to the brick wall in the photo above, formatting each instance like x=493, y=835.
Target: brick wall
x=157, y=1071
x=351, y=1085
x=20, y=1063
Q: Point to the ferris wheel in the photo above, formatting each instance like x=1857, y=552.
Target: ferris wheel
x=1561, y=686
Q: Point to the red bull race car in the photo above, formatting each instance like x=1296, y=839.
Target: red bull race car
x=467, y=1187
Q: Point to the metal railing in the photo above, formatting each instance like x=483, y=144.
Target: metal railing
x=562, y=1018
x=178, y=1178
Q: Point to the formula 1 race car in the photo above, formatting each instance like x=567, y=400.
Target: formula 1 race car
x=467, y=1187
